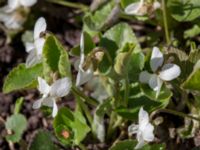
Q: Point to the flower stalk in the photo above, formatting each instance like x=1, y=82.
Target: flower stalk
x=165, y=22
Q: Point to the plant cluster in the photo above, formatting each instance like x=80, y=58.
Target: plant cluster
x=119, y=78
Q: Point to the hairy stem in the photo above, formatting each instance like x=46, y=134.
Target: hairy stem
x=165, y=22
x=87, y=99
x=178, y=114
x=79, y=6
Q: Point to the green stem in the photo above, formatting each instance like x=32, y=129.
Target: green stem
x=165, y=22
x=126, y=92
x=110, y=126
x=85, y=110
x=87, y=99
x=178, y=114
x=80, y=6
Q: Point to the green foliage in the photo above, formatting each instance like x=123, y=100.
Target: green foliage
x=42, y=141
x=119, y=42
x=21, y=78
x=193, y=82
x=88, y=46
x=164, y=95
x=126, y=145
x=16, y=124
x=100, y=18
x=192, y=32
x=184, y=10
x=72, y=122
x=18, y=105
x=55, y=58
x=130, y=144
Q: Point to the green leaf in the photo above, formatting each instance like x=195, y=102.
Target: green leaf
x=122, y=60
x=51, y=53
x=130, y=144
x=22, y=77
x=154, y=147
x=100, y=18
x=136, y=100
x=124, y=145
x=164, y=95
x=88, y=46
x=73, y=122
x=42, y=141
x=125, y=3
x=17, y=123
x=193, y=82
x=184, y=10
x=80, y=127
x=18, y=105
x=55, y=58
x=113, y=41
x=192, y=32
x=64, y=66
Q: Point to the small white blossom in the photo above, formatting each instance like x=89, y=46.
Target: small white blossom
x=11, y=16
x=14, y=4
x=59, y=88
x=143, y=131
x=83, y=75
x=12, y=20
x=167, y=72
x=134, y=8
x=35, y=49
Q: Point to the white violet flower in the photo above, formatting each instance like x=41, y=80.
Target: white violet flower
x=167, y=72
x=11, y=16
x=134, y=8
x=83, y=75
x=143, y=131
x=14, y=4
x=59, y=88
x=12, y=19
x=35, y=49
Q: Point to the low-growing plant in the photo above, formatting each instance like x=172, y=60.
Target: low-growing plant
x=122, y=83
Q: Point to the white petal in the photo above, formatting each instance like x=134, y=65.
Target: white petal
x=48, y=101
x=55, y=109
x=156, y=5
x=148, y=133
x=156, y=59
x=155, y=83
x=133, y=129
x=29, y=46
x=40, y=26
x=143, y=117
x=39, y=44
x=4, y=17
x=28, y=3
x=84, y=76
x=43, y=86
x=13, y=4
x=133, y=9
x=6, y=9
x=169, y=72
x=61, y=87
x=76, y=64
x=144, y=77
x=37, y=104
x=140, y=140
x=82, y=43
x=32, y=59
